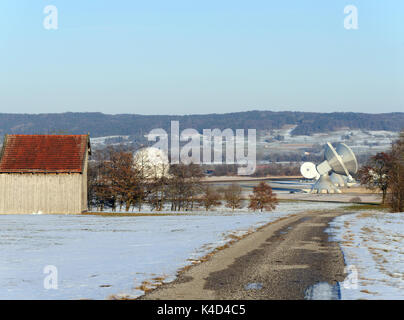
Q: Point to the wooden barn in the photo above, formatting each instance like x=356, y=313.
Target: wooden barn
x=44, y=174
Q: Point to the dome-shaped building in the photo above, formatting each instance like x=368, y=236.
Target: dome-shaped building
x=151, y=162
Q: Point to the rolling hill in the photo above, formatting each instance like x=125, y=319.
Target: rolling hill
x=99, y=124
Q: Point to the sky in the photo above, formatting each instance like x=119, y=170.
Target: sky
x=201, y=56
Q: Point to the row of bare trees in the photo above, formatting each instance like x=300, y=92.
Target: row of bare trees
x=262, y=197
x=231, y=196
x=385, y=171
x=115, y=182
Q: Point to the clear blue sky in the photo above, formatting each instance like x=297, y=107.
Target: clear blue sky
x=201, y=56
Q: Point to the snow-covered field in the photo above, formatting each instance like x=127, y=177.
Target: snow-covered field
x=373, y=247
x=99, y=256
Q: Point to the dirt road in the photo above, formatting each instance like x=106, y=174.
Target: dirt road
x=280, y=261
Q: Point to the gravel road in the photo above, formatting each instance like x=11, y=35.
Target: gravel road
x=279, y=261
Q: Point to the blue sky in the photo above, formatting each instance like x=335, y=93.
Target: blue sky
x=194, y=56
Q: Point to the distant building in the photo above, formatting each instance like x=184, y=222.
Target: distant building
x=44, y=174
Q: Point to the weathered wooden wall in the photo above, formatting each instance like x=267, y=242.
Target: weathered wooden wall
x=84, y=204
x=26, y=193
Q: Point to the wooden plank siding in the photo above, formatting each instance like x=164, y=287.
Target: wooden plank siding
x=27, y=193
x=48, y=193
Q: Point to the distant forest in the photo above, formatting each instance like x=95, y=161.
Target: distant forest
x=99, y=124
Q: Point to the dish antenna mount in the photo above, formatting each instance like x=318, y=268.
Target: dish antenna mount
x=335, y=171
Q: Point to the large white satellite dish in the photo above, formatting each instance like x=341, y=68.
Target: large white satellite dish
x=340, y=160
x=336, y=170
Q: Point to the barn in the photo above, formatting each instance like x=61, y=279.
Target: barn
x=44, y=174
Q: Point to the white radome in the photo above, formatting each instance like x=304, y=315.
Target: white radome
x=152, y=162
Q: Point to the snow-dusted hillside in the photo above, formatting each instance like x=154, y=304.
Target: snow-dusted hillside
x=281, y=141
x=360, y=141
x=102, y=142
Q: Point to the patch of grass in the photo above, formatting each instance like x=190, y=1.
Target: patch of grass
x=368, y=292
x=233, y=237
x=292, y=200
x=365, y=206
x=131, y=214
x=356, y=200
x=159, y=279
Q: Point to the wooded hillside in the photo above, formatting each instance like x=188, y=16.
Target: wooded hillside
x=99, y=124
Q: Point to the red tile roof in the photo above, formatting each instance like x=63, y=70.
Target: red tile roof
x=44, y=153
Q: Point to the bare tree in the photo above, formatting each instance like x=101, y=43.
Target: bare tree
x=396, y=199
x=263, y=198
x=376, y=173
x=232, y=196
x=195, y=174
x=115, y=179
x=157, y=190
x=210, y=197
x=121, y=179
x=92, y=175
x=184, y=185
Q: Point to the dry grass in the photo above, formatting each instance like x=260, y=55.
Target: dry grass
x=234, y=237
x=367, y=206
x=146, y=286
x=361, y=190
x=365, y=215
x=132, y=214
x=368, y=292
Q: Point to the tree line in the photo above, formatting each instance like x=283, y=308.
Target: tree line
x=118, y=182
x=385, y=172
x=101, y=125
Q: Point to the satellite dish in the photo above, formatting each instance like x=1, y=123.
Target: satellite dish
x=340, y=160
x=348, y=157
x=336, y=170
x=338, y=180
x=309, y=171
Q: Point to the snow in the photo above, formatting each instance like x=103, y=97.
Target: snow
x=104, y=141
x=373, y=247
x=358, y=140
x=98, y=256
x=323, y=291
x=361, y=141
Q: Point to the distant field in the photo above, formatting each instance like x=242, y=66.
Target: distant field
x=246, y=179
x=290, y=188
